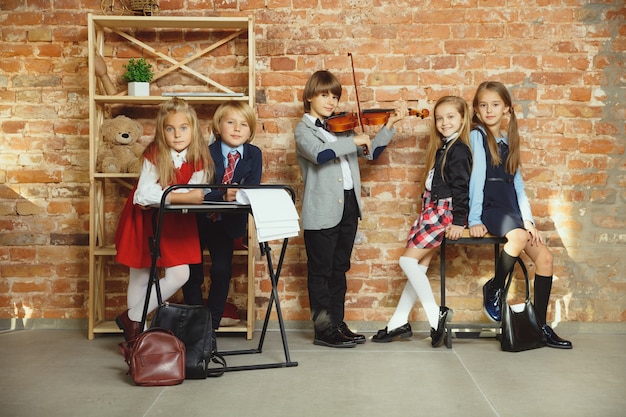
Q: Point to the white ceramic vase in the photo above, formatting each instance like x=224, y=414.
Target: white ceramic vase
x=138, y=89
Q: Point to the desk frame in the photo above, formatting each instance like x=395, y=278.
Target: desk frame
x=164, y=208
x=467, y=240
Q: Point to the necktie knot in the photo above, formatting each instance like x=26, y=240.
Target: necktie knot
x=233, y=157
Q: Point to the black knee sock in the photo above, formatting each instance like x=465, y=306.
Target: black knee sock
x=543, y=286
x=506, y=263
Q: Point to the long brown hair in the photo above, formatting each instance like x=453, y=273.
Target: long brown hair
x=197, y=152
x=436, y=138
x=514, y=161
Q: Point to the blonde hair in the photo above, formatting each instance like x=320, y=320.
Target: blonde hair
x=514, y=161
x=197, y=152
x=240, y=107
x=436, y=138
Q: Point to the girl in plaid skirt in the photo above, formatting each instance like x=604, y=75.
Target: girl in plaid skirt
x=444, y=209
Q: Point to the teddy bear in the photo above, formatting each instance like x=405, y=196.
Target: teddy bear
x=119, y=150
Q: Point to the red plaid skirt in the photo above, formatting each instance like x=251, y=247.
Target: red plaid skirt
x=430, y=227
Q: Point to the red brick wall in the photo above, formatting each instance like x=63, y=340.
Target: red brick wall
x=563, y=61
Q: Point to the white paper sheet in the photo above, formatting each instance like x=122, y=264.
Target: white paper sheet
x=275, y=215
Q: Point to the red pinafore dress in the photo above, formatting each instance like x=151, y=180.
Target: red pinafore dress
x=179, y=234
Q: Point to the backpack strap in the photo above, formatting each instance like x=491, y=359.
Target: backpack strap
x=215, y=372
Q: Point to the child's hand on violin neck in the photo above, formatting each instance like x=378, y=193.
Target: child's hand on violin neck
x=397, y=115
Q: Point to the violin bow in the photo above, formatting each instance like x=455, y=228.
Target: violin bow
x=358, y=104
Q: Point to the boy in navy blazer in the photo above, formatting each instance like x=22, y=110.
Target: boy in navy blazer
x=236, y=162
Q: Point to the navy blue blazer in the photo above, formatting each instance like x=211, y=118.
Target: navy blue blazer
x=247, y=172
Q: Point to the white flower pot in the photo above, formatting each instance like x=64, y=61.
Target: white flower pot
x=138, y=89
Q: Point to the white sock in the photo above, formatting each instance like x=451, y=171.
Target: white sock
x=175, y=277
x=416, y=275
x=404, y=307
x=407, y=300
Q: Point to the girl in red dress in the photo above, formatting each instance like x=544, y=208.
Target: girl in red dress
x=178, y=155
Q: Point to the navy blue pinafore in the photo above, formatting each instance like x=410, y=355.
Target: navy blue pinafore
x=501, y=212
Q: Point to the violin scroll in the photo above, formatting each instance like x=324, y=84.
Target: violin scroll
x=419, y=113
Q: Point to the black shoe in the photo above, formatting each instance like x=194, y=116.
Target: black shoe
x=384, y=336
x=345, y=330
x=554, y=341
x=491, y=301
x=445, y=314
x=333, y=338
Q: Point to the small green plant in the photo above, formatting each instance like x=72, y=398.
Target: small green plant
x=138, y=71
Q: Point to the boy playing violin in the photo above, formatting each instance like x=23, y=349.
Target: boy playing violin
x=331, y=204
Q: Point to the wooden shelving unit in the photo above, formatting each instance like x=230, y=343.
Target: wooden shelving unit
x=219, y=32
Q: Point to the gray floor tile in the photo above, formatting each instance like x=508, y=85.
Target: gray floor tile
x=60, y=373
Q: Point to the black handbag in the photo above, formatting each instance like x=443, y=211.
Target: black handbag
x=520, y=328
x=192, y=325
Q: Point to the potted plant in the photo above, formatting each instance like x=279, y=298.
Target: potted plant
x=138, y=75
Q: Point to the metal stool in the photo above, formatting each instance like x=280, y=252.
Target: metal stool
x=466, y=239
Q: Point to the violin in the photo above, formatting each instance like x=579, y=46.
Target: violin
x=380, y=116
x=344, y=122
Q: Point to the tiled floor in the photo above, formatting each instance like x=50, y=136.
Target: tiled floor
x=51, y=373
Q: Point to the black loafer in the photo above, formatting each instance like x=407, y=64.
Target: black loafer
x=445, y=314
x=553, y=340
x=333, y=338
x=384, y=336
x=345, y=330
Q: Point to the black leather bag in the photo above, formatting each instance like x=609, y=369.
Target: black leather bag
x=192, y=325
x=520, y=329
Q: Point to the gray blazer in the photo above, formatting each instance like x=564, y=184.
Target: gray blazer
x=322, y=202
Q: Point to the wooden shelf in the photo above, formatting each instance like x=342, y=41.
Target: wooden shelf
x=172, y=22
x=156, y=100
x=110, y=326
x=222, y=31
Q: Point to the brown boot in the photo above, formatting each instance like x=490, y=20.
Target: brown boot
x=131, y=328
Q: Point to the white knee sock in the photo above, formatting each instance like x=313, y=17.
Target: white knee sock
x=175, y=277
x=404, y=307
x=408, y=297
x=416, y=275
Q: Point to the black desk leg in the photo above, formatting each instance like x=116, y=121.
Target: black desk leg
x=265, y=249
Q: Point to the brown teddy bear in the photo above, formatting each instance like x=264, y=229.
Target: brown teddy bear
x=119, y=150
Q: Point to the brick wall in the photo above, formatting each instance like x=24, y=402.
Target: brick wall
x=563, y=61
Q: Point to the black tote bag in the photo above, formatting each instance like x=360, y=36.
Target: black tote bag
x=520, y=329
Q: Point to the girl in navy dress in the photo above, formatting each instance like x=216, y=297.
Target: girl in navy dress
x=178, y=155
x=499, y=204
x=444, y=210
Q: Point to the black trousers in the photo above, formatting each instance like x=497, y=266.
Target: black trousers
x=328, y=259
x=213, y=236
